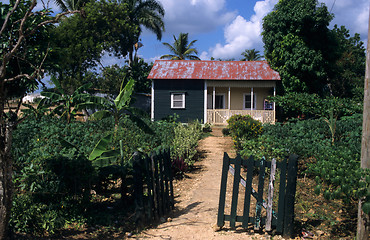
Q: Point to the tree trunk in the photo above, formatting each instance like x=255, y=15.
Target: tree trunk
x=363, y=223
x=6, y=170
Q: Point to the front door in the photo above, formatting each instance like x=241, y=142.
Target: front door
x=219, y=101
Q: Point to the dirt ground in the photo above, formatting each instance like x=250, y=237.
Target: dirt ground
x=197, y=199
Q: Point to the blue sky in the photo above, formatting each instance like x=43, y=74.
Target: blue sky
x=225, y=28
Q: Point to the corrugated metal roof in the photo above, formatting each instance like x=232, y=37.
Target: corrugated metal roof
x=213, y=70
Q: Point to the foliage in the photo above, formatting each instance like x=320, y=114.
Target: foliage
x=181, y=48
x=309, y=56
x=54, y=174
x=119, y=108
x=207, y=128
x=24, y=55
x=350, y=67
x=66, y=5
x=24, y=33
x=251, y=55
x=78, y=42
x=185, y=140
x=147, y=13
x=298, y=44
x=243, y=127
x=312, y=105
x=67, y=106
x=226, y=131
x=336, y=166
x=39, y=111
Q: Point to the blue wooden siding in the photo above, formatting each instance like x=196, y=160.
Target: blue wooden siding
x=194, y=99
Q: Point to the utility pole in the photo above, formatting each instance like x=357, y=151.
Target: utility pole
x=363, y=223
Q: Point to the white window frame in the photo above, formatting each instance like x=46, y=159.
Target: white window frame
x=182, y=100
x=254, y=101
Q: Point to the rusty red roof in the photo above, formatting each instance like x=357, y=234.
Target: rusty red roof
x=213, y=70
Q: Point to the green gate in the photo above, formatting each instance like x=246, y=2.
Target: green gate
x=282, y=219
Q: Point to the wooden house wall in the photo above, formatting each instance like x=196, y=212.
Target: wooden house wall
x=194, y=99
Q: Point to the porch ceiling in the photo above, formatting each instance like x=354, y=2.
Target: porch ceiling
x=241, y=84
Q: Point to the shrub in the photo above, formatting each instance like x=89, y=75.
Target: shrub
x=244, y=127
x=225, y=131
x=207, y=128
x=185, y=141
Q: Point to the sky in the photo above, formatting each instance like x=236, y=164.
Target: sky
x=225, y=28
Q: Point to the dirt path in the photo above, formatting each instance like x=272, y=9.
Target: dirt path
x=197, y=198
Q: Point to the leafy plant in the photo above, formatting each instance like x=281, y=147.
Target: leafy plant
x=243, y=127
x=67, y=106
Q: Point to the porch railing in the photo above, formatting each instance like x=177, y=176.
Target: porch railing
x=220, y=116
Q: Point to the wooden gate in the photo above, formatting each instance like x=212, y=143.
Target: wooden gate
x=153, y=189
x=282, y=219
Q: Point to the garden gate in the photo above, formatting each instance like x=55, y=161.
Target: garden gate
x=282, y=220
x=153, y=189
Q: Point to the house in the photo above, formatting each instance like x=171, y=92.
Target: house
x=212, y=91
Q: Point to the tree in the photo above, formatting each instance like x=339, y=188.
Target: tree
x=347, y=80
x=299, y=45
x=251, y=55
x=66, y=5
x=181, y=49
x=79, y=42
x=147, y=13
x=22, y=32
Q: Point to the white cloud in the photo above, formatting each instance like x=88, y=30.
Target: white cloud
x=353, y=15
x=242, y=34
x=195, y=16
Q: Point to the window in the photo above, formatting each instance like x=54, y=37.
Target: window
x=248, y=101
x=177, y=100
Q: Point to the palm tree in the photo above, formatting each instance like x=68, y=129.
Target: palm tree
x=147, y=13
x=66, y=5
x=181, y=49
x=251, y=55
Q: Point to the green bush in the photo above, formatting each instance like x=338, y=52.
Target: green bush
x=225, y=131
x=243, y=127
x=185, y=141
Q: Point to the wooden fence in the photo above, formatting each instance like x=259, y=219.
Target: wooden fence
x=153, y=189
x=282, y=219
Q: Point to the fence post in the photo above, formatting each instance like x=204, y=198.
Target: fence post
x=234, y=201
x=290, y=196
x=248, y=191
x=138, y=190
x=261, y=180
x=270, y=195
x=221, y=206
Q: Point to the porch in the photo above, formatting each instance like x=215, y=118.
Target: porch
x=227, y=98
x=220, y=116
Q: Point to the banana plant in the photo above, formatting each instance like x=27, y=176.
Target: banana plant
x=38, y=111
x=120, y=107
x=68, y=106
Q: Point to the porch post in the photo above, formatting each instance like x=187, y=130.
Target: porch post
x=213, y=104
x=152, y=102
x=205, y=102
x=252, y=102
x=274, y=103
x=228, y=103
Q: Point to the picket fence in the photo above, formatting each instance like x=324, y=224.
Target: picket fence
x=153, y=188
